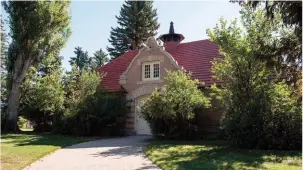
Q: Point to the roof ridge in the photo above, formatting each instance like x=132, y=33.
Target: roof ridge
x=192, y=56
x=112, y=61
x=121, y=55
x=195, y=41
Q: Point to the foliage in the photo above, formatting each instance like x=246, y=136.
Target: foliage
x=98, y=60
x=43, y=99
x=22, y=122
x=89, y=110
x=81, y=92
x=284, y=52
x=291, y=12
x=196, y=155
x=101, y=114
x=170, y=112
x=254, y=116
x=3, y=52
x=49, y=64
x=81, y=60
x=283, y=124
x=37, y=29
x=137, y=21
x=79, y=86
x=4, y=73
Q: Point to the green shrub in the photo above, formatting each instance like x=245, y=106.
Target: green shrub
x=42, y=100
x=90, y=110
x=170, y=111
x=272, y=119
x=101, y=114
x=283, y=122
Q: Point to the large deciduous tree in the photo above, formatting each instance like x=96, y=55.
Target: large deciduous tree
x=38, y=29
x=137, y=21
x=261, y=111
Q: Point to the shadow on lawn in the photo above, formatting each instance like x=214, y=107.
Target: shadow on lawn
x=217, y=156
x=32, y=138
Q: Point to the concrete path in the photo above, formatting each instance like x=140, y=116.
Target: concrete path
x=107, y=154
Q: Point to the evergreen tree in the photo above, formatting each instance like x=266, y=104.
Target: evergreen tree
x=99, y=59
x=137, y=21
x=81, y=59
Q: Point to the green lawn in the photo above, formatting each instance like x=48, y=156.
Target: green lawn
x=19, y=150
x=170, y=155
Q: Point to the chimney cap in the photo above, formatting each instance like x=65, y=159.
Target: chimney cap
x=171, y=36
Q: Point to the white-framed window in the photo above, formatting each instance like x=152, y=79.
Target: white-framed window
x=151, y=70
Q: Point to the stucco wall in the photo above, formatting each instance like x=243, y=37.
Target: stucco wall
x=132, y=77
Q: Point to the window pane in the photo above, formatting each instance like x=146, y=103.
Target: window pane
x=146, y=71
x=156, y=70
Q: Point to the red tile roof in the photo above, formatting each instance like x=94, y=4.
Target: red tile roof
x=194, y=56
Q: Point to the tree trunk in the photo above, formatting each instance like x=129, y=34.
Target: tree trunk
x=20, y=70
x=12, y=108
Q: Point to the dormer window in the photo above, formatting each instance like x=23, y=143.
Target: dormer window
x=151, y=71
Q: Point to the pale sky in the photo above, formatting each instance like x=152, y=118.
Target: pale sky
x=92, y=20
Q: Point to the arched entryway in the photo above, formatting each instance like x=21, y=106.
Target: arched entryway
x=141, y=125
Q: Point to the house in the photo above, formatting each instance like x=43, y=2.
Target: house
x=139, y=72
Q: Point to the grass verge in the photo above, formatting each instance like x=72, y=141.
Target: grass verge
x=171, y=155
x=19, y=150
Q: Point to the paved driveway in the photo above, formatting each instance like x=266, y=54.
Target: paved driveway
x=107, y=154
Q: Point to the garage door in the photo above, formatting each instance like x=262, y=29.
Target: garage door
x=142, y=126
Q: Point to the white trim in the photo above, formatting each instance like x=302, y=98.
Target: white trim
x=151, y=69
x=143, y=90
x=150, y=82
